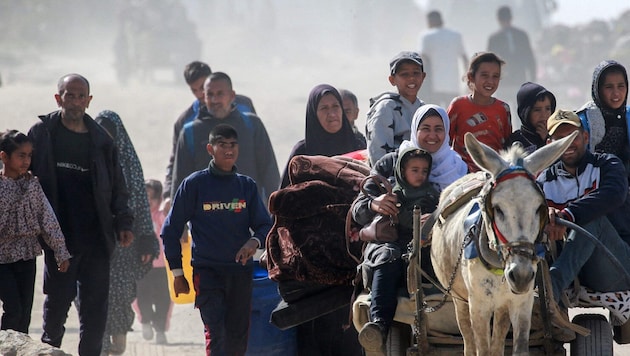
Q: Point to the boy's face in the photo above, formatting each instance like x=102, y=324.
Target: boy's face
x=613, y=91
x=196, y=88
x=408, y=79
x=416, y=171
x=224, y=152
x=351, y=110
x=539, y=114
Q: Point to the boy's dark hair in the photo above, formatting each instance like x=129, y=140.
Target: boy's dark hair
x=416, y=153
x=61, y=84
x=222, y=131
x=347, y=94
x=11, y=140
x=220, y=76
x=155, y=186
x=195, y=70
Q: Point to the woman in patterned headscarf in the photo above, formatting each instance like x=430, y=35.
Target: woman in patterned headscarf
x=127, y=264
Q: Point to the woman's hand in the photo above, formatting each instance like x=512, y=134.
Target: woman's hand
x=386, y=204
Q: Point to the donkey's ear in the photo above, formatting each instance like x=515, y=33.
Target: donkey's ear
x=547, y=155
x=484, y=157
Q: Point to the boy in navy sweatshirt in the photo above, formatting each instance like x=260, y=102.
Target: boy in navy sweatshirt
x=221, y=206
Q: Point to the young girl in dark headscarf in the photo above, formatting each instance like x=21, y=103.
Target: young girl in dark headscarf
x=606, y=117
x=328, y=131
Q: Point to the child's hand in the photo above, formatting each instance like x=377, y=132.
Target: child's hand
x=386, y=204
x=247, y=251
x=63, y=266
x=180, y=285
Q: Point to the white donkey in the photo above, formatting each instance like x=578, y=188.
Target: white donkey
x=514, y=212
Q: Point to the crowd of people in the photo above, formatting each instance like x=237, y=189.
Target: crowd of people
x=73, y=187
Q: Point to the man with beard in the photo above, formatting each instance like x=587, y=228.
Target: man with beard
x=195, y=74
x=256, y=159
x=591, y=190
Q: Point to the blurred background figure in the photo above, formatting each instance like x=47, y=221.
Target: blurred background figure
x=513, y=46
x=442, y=50
x=153, y=304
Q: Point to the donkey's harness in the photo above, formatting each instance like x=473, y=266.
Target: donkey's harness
x=475, y=228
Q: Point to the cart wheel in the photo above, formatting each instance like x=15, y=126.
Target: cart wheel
x=599, y=342
x=398, y=339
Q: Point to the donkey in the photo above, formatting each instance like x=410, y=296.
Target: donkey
x=513, y=214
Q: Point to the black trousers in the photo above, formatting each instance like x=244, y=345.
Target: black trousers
x=87, y=279
x=17, y=285
x=224, y=299
x=154, y=300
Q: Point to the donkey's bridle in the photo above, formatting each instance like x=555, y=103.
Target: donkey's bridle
x=504, y=247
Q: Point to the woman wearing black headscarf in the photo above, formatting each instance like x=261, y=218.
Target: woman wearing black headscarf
x=328, y=131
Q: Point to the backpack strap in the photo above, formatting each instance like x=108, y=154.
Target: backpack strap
x=385, y=96
x=189, y=137
x=244, y=110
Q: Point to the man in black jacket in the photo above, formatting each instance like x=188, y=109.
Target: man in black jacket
x=77, y=164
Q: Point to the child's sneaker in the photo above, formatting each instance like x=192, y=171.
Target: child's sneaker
x=160, y=338
x=147, y=331
x=372, y=338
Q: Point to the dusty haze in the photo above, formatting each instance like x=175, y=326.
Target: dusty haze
x=274, y=50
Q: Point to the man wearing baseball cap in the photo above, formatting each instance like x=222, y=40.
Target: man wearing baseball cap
x=591, y=190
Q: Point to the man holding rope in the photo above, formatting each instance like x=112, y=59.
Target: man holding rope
x=590, y=190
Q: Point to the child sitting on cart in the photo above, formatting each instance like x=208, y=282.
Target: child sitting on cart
x=383, y=260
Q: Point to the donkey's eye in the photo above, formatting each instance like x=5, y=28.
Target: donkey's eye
x=498, y=212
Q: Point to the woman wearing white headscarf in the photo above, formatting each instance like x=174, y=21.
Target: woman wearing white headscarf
x=383, y=260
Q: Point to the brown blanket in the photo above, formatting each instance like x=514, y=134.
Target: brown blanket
x=308, y=241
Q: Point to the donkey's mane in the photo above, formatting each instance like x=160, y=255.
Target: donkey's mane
x=514, y=153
